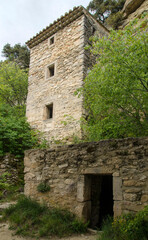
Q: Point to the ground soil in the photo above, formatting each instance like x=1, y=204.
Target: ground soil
x=6, y=234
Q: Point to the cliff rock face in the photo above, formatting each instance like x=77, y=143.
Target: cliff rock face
x=133, y=9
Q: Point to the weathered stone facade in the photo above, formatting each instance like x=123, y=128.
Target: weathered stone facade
x=58, y=65
x=79, y=174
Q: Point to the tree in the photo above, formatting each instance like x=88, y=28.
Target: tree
x=18, y=54
x=103, y=9
x=13, y=84
x=15, y=133
x=116, y=89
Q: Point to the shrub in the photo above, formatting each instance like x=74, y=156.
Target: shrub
x=16, y=135
x=43, y=187
x=127, y=227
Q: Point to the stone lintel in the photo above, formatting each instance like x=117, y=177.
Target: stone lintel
x=100, y=170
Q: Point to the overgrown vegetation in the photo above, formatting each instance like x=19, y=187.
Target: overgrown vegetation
x=4, y=185
x=16, y=135
x=43, y=187
x=116, y=89
x=30, y=218
x=126, y=227
x=9, y=190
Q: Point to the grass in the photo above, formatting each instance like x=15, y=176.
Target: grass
x=12, y=194
x=107, y=232
x=29, y=218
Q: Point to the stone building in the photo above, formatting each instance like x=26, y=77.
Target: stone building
x=58, y=65
x=91, y=179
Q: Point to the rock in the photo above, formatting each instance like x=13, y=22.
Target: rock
x=133, y=9
x=131, y=6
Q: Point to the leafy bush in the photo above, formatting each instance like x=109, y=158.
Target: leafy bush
x=43, y=187
x=30, y=218
x=16, y=135
x=127, y=227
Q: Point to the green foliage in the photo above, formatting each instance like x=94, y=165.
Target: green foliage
x=15, y=133
x=114, y=20
x=43, y=187
x=18, y=54
x=116, y=89
x=107, y=232
x=30, y=218
x=4, y=185
x=102, y=9
x=8, y=190
x=13, y=84
x=127, y=227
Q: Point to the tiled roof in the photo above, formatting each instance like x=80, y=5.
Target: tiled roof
x=60, y=23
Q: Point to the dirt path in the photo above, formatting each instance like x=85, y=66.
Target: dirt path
x=6, y=234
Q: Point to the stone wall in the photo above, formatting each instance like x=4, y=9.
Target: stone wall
x=69, y=170
x=13, y=166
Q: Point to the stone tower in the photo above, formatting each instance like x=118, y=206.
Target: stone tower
x=58, y=66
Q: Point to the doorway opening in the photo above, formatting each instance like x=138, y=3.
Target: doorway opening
x=101, y=199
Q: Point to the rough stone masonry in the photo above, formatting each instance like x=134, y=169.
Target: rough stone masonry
x=70, y=170
x=58, y=66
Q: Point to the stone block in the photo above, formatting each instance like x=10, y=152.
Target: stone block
x=117, y=188
x=130, y=197
x=131, y=206
x=83, y=210
x=63, y=165
x=129, y=183
x=69, y=181
x=83, y=189
x=144, y=199
x=117, y=208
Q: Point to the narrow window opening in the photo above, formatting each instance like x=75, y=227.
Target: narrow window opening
x=51, y=40
x=50, y=71
x=49, y=111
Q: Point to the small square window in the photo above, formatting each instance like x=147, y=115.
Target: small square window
x=49, y=111
x=51, y=40
x=50, y=71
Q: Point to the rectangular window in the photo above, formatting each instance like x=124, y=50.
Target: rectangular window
x=49, y=111
x=50, y=71
x=51, y=40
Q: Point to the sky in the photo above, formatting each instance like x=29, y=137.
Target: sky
x=20, y=20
